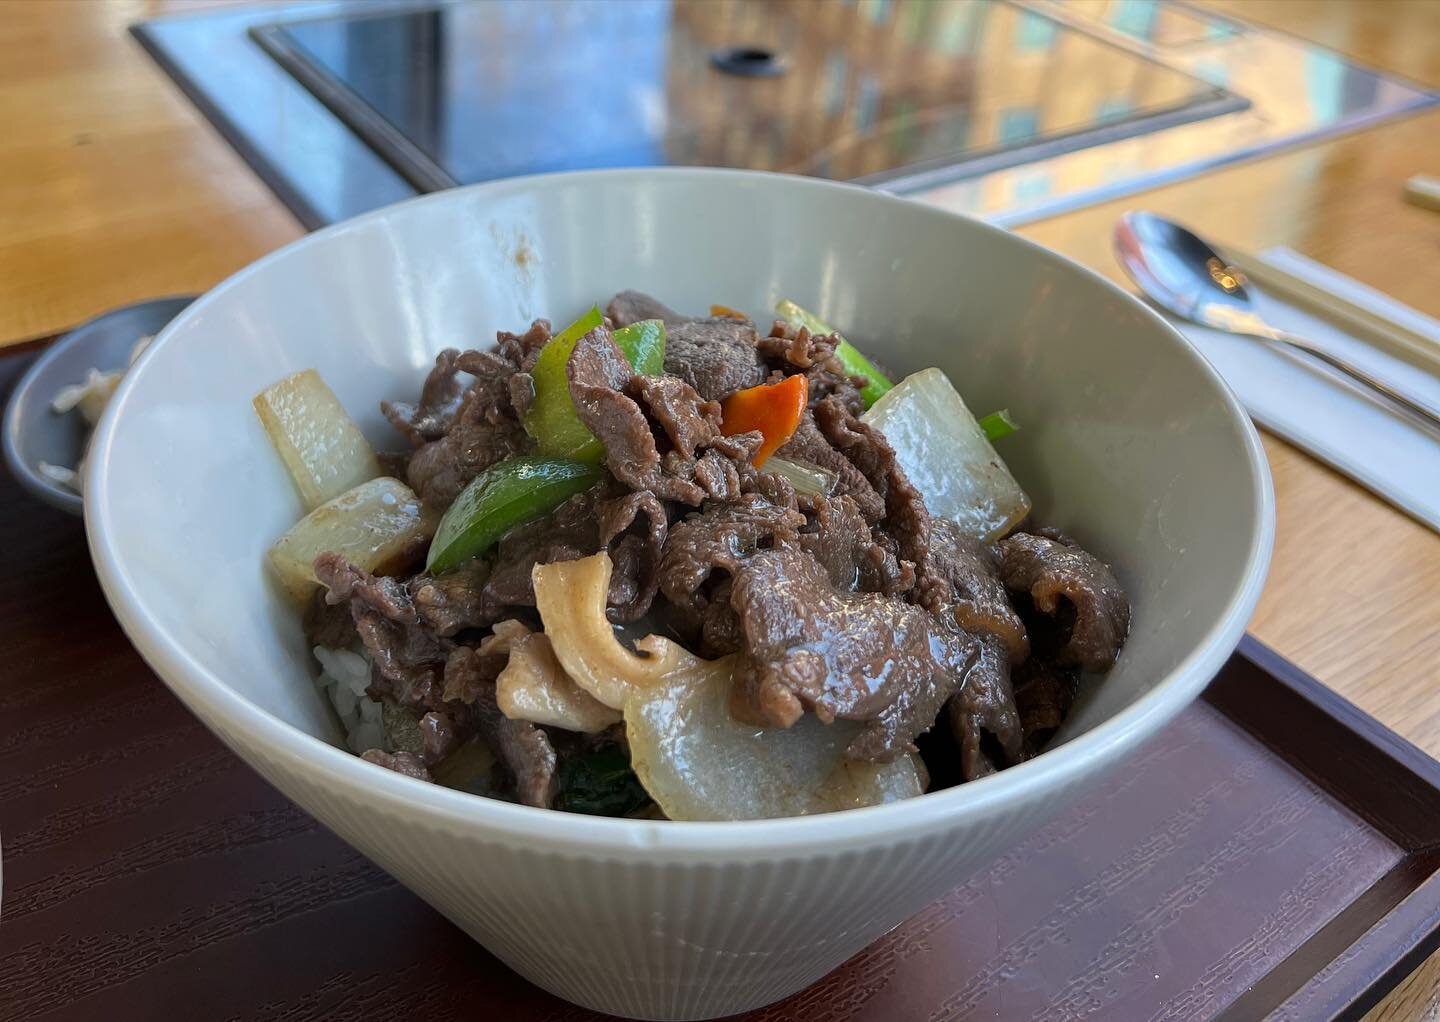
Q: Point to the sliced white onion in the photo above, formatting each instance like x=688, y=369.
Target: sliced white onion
x=808, y=480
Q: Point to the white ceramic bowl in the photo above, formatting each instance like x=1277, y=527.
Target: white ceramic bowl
x=1130, y=442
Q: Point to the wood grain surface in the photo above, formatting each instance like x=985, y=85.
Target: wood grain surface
x=114, y=189
x=1269, y=850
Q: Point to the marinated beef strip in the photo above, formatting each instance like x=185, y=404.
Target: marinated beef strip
x=633, y=306
x=407, y=657
x=983, y=717
x=329, y=624
x=607, y=395
x=440, y=398
x=631, y=526
x=568, y=533
x=773, y=488
x=808, y=444
x=715, y=356
x=632, y=529
x=598, y=374
x=702, y=552
x=523, y=748
x=966, y=576
x=524, y=349
x=441, y=734
x=959, y=582
x=485, y=430
x=841, y=540
x=791, y=349
x=907, y=521
x=458, y=601
x=689, y=421
x=1044, y=694
x=857, y=656
x=1076, y=590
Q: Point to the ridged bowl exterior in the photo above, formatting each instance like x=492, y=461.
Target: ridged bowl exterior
x=1129, y=441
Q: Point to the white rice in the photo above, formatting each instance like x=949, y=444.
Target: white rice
x=344, y=675
x=90, y=398
x=60, y=474
x=95, y=391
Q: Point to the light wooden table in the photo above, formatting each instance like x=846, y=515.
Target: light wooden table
x=114, y=189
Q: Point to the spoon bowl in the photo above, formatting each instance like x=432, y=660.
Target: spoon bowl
x=1186, y=277
x=1175, y=268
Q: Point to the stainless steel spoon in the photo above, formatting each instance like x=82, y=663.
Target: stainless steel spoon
x=1183, y=275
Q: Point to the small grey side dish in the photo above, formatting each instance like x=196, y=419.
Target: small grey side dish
x=34, y=432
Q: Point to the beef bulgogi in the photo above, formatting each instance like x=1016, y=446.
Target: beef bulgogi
x=679, y=567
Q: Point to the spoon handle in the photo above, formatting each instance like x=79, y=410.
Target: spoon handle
x=1407, y=401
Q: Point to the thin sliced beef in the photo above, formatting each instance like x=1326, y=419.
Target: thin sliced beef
x=857, y=656
x=689, y=421
x=632, y=529
x=630, y=526
x=1044, y=694
x=598, y=374
x=841, y=540
x=522, y=350
x=691, y=427
x=719, y=624
x=906, y=519
x=440, y=735
x=468, y=677
x=983, y=717
x=715, y=473
x=775, y=488
x=406, y=763
x=715, y=356
x=604, y=389
x=522, y=393
x=522, y=747
x=485, y=430
x=809, y=445
x=791, y=349
x=568, y=533
x=439, y=401
x=965, y=577
x=458, y=601
x=703, y=550
x=632, y=306
x=1078, y=591
x=329, y=624
x=407, y=657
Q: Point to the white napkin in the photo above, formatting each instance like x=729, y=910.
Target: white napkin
x=1381, y=448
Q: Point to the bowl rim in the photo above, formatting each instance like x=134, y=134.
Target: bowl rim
x=748, y=840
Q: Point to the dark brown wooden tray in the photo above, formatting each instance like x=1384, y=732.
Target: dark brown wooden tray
x=1274, y=851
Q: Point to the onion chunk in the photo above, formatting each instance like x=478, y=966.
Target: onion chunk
x=379, y=526
x=945, y=453
x=322, y=448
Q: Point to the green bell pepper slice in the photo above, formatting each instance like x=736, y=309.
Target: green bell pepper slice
x=855, y=363
x=998, y=425
x=552, y=420
x=515, y=491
